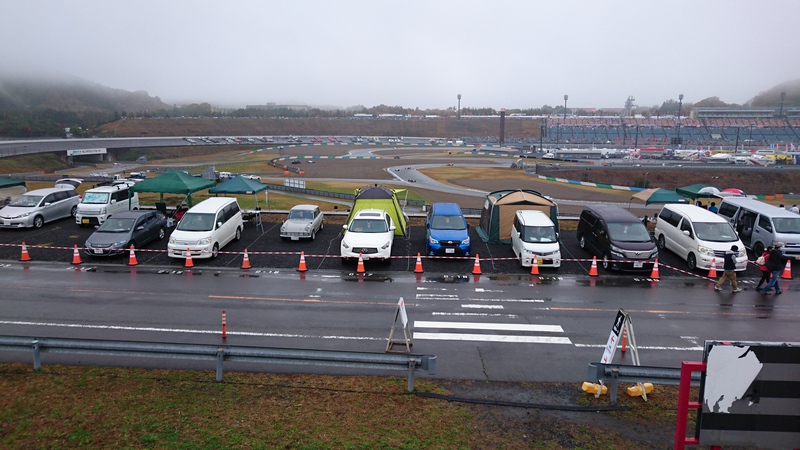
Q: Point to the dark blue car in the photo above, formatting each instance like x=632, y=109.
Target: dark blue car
x=118, y=233
x=447, y=231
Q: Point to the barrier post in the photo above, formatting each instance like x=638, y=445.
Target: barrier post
x=224, y=325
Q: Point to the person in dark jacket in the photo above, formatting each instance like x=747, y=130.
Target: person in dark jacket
x=775, y=264
x=729, y=270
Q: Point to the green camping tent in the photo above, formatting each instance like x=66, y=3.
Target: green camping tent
x=379, y=197
x=694, y=191
x=9, y=182
x=240, y=185
x=174, y=182
x=500, y=208
x=657, y=195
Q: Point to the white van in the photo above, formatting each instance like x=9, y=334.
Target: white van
x=762, y=225
x=698, y=236
x=206, y=228
x=534, y=234
x=98, y=204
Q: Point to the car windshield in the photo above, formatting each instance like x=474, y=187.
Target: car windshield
x=628, y=232
x=114, y=225
x=539, y=234
x=716, y=232
x=95, y=198
x=300, y=215
x=787, y=225
x=26, y=201
x=368, y=226
x=196, y=222
x=448, y=223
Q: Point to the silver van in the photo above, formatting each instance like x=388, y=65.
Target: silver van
x=37, y=207
x=760, y=225
x=206, y=228
x=98, y=204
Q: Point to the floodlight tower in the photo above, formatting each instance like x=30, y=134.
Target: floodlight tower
x=783, y=96
x=458, y=114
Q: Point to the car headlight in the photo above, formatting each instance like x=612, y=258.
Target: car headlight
x=743, y=252
x=616, y=251
x=87, y=244
x=103, y=210
x=386, y=245
x=432, y=240
x=654, y=255
x=204, y=241
x=308, y=228
x=172, y=241
x=465, y=241
x=283, y=228
x=120, y=244
x=705, y=250
x=345, y=245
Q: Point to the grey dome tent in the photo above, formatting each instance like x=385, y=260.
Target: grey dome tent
x=500, y=207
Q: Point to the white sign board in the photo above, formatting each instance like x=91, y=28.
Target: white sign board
x=402, y=306
x=613, y=337
x=86, y=151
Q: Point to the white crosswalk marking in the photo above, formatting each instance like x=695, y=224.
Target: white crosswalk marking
x=492, y=338
x=489, y=326
x=510, y=338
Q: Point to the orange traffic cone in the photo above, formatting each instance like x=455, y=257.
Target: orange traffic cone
x=189, y=262
x=712, y=272
x=593, y=269
x=476, y=268
x=624, y=339
x=245, y=260
x=302, y=267
x=360, y=268
x=654, y=273
x=787, y=271
x=132, y=258
x=25, y=256
x=534, y=266
x=76, y=256
x=418, y=267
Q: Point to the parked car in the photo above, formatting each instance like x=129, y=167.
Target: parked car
x=617, y=237
x=128, y=228
x=68, y=183
x=40, y=206
x=447, y=231
x=102, y=202
x=533, y=234
x=370, y=234
x=304, y=221
x=206, y=228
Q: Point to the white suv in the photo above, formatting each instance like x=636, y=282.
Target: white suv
x=370, y=234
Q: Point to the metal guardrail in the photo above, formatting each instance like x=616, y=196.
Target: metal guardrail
x=221, y=353
x=616, y=373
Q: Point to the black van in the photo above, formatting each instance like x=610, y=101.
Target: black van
x=617, y=237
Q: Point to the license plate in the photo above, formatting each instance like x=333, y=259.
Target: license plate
x=84, y=220
x=6, y=223
x=98, y=251
x=638, y=264
x=295, y=238
x=539, y=261
x=449, y=250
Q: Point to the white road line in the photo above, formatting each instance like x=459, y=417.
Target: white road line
x=483, y=306
x=513, y=316
x=492, y=338
x=489, y=326
x=510, y=300
x=437, y=297
x=486, y=290
x=180, y=330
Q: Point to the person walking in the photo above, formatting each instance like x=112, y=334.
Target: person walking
x=729, y=270
x=761, y=262
x=775, y=264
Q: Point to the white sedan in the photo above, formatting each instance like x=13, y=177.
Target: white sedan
x=370, y=235
x=304, y=221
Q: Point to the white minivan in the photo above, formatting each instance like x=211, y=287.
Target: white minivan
x=533, y=234
x=698, y=236
x=98, y=204
x=206, y=228
x=761, y=225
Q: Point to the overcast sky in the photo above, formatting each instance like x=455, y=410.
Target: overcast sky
x=499, y=54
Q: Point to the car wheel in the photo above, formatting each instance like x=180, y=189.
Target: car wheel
x=161, y=234
x=606, y=262
x=74, y=211
x=662, y=244
x=238, y=234
x=215, y=251
x=321, y=226
x=582, y=241
x=38, y=221
x=758, y=249
x=313, y=235
x=691, y=261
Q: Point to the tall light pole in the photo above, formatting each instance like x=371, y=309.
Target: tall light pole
x=680, y=106
x=458, y=114
x=645, y=179
x=783, y=96
x=566, y=97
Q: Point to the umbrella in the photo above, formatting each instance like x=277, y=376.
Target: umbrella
x=709, y=190
x=658, y=195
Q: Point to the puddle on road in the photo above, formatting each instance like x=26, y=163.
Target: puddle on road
x=359, y=277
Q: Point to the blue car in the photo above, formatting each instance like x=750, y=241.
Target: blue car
x=447, y=231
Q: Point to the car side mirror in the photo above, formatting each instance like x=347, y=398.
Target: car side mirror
x=140, y=228
x=47, y=204
x=392, y=228
x=344, y=226
x=113, y=201
x=687, y=233
x=219, y=224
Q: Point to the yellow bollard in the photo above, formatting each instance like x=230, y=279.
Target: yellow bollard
x=636, y=390
x=591, y=388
